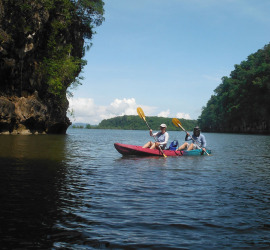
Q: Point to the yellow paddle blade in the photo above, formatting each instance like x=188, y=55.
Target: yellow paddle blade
x=176, y=122
x=140, y=113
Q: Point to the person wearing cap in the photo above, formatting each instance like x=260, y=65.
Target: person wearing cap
x=162, y=138
x=198, y=140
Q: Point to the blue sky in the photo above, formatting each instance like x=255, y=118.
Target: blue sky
x=166, y=56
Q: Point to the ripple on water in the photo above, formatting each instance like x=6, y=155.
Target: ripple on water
x=81, y=193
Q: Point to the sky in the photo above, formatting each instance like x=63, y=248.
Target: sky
x=166, y=56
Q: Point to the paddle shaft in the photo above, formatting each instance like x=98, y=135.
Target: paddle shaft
x=141, y=114
x=146, y=123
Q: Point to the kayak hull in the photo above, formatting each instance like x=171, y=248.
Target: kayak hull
x=126, y=149
x=195, y=152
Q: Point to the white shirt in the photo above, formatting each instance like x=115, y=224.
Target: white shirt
x=162, y=138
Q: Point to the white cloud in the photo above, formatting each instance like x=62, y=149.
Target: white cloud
x=183, y=115
x=86, y=111
x=149, y=110
x=164, y=113
x=123, y=107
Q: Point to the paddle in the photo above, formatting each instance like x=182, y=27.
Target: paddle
x=141, y=114
x=178, y=124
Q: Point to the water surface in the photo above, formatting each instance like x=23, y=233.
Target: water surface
x=77, y=191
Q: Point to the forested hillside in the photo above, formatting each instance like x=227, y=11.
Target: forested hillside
x=241, y=103
x=136, y=123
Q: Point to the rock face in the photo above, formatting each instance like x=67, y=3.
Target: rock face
x=29, y=115
x=26, y=105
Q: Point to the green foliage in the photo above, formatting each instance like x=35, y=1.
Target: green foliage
x=62, y=41
x=61, y=68
x=78, y=126
x=61, y=71
x=242, y=98
x=90, y=12
x=136, y=123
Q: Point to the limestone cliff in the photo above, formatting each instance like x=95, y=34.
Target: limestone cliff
x=41, y=46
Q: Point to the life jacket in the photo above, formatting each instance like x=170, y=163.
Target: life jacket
x=173, y=145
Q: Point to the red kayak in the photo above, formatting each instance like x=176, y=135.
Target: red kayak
x=125, y=149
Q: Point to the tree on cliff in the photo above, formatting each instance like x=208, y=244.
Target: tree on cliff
x=241, y=102
x=61, y=66
x=42, y=43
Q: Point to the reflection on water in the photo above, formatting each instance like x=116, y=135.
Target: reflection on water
x=33, y=147
x=77, y=191
x=31, y=178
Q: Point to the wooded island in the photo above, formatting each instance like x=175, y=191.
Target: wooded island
x=133, y=122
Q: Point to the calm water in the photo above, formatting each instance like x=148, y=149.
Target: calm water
x=77, y=192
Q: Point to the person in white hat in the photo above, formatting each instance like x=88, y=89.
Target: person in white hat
x=162, y=138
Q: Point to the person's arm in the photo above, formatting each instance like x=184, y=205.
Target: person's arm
x=153, y=135
x=188, y=137
x=203, y=141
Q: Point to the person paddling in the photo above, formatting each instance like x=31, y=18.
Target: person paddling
x=162, y=138
x=198, y=140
